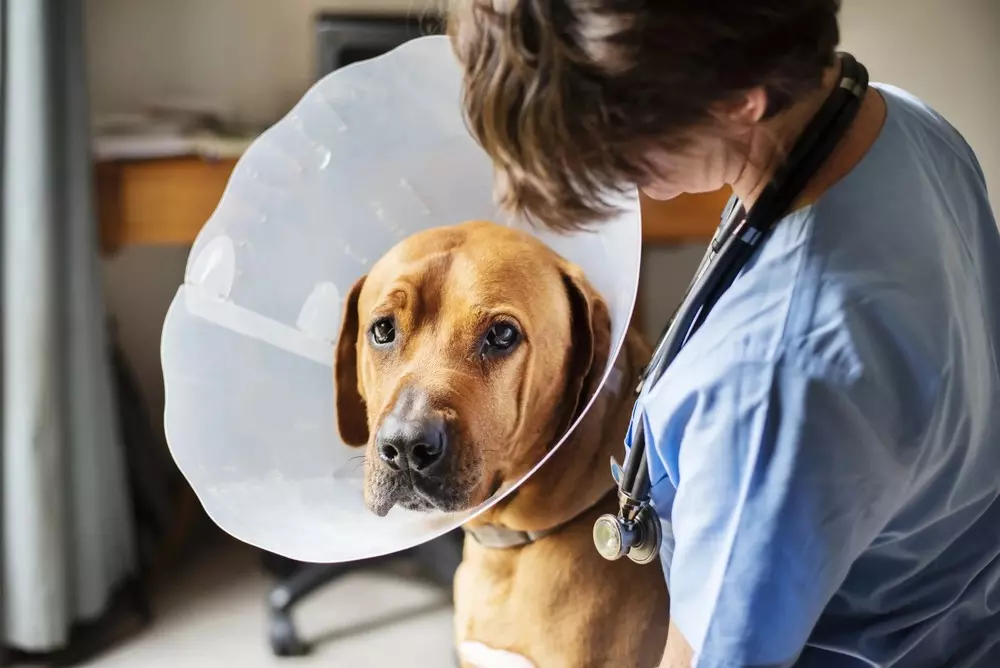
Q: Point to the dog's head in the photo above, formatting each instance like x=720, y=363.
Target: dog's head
x=463, y=354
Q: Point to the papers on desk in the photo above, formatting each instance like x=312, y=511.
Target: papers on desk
x=166, y=133
x=142, y=147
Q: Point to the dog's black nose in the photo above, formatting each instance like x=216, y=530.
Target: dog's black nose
x=414, y=444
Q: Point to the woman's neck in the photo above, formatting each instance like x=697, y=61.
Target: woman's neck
x=774, y=139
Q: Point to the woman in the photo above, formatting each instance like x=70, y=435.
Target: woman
x=824, y=452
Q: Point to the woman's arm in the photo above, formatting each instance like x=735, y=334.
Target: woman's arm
x=678, y=653
x=778, y=478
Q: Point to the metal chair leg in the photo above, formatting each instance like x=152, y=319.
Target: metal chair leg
x=437, y=559
x=282, y=635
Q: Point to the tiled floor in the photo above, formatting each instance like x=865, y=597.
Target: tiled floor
x=213, y=615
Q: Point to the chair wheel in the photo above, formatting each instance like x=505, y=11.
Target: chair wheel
x=284, y=640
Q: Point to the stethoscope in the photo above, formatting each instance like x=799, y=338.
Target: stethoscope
x=635, y=531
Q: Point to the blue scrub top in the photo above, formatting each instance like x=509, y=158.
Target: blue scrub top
x=825, y=451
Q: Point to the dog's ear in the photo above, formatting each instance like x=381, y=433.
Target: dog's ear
x=352, y=415
x=590, y=344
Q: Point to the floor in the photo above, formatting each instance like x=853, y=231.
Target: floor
x=212, y=614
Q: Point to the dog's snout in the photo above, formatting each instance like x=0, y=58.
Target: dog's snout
x=416, y=443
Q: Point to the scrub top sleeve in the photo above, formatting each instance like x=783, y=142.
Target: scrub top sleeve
x=783, y=479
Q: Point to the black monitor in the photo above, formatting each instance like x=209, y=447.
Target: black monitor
x=342, y=39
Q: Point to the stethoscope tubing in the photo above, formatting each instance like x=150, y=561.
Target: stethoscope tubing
x=734, y=244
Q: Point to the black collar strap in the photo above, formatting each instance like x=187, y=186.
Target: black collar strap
x=495, y=537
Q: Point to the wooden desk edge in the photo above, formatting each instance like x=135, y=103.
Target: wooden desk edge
x=135, y=204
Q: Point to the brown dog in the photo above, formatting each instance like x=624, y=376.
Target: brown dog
x=464, y=354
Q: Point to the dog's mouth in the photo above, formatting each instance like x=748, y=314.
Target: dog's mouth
x=387, y=489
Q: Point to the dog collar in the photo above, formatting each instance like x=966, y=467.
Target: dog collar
x=496, y=537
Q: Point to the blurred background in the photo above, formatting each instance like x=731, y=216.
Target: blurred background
x=119, y=125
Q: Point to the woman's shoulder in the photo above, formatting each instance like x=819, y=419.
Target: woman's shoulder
x=837, y=306
x=916, y=145
x=914, y=116
x=854, y=332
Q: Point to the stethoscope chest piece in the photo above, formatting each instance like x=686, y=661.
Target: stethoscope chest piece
x=634, y=533
x=638, y=538
x=646, y=547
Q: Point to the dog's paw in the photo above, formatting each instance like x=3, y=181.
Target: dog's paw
x=477, y=655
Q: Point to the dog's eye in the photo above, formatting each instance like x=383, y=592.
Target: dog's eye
x=383, y=332
x=501, y=338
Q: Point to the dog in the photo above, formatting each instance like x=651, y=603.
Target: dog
x=464, y=354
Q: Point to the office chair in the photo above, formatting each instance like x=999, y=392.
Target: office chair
x=437, y=561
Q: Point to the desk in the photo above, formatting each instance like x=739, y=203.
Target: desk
x=166, y=202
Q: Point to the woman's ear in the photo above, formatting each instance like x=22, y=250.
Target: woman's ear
x=591, y=344
x=352, y=414
x=748, y=108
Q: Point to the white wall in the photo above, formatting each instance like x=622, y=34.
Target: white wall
x=946, y=52
x=254, y=58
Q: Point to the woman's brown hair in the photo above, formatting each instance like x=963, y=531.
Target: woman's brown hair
x=569, y=96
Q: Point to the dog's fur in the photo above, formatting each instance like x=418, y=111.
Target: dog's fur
x=553, y=603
